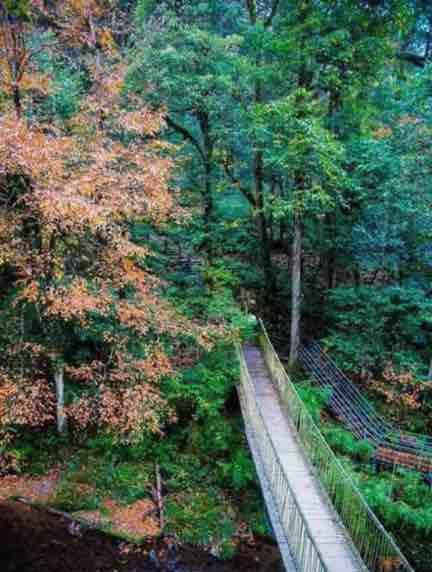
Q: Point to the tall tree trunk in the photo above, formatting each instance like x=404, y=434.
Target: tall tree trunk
x=428, y=46
x=330, y=226
x=269, y=285
x=331, y=270
x=265, y=247
x=61, y=416
x=208, y=196
x=296, y=265
x=17, y=100
x=304, y=81
x=208, y=187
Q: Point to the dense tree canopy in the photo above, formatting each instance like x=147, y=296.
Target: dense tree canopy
x=164, y=162
x=78, y=297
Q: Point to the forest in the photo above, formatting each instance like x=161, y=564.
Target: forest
x=171, y=171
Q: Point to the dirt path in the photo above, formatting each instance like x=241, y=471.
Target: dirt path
x=33, y=540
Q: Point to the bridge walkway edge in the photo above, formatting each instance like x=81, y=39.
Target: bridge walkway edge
x=334, y=542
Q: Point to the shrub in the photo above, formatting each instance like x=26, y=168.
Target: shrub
x=345, y=443
x=201, y=518
x=372, y=326
x=72, y=497
x=315, y=399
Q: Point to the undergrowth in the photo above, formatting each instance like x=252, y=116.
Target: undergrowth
x=400, y=498
x=209, y=481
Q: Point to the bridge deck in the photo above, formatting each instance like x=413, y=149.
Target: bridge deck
x=330, y=536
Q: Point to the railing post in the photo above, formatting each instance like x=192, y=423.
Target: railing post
x=372, y=541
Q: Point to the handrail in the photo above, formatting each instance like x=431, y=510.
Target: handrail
x=418, y=445
x=389, y=424
x=303, y=548
x=340, y=405
x=374, y=544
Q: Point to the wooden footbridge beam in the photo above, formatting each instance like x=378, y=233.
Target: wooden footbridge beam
x=321, y=521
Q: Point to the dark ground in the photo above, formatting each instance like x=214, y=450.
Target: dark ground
x=32, y=540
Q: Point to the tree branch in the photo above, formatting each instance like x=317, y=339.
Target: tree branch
x=251, y=6
x=272, y=14
x=412, y=58
x=244, y=190
x=186, y=134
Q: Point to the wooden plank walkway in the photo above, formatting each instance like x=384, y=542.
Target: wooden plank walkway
x=272, y=509
x=330, y=536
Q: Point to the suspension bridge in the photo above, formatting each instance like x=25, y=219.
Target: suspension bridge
x=321, y=520
x=392, y=445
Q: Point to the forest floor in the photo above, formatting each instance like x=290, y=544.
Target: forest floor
x=115, y=536
x=401, y=498
x=36, y=541
x=136, y=520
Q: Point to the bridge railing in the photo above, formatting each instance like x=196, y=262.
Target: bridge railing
x=375, y=545
x=410, y=449
x=295, y=528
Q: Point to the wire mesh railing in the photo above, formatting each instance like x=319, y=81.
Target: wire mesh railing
x=347, y=402
x=303, y=549
x=375, y=545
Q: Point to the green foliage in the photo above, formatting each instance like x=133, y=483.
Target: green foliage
x=65, y=98
x=69, y=82
x=296, y=142
x=205, y=387
x=201, y=518
x=372, y=326
x=402, y=500
x=238, y=472
x=345, y=443
x=199, y=459
x=304, y=116
x=125, y=482
x=399, y=497
x=219, y=277
x=71, y=497
x=193, y=79
x=213, y=445
x=19, y=8
x=314, y=399
x=124, y=473
x=36, y=454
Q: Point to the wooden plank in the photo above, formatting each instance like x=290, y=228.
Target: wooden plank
x=272, y=508
x=330, y=536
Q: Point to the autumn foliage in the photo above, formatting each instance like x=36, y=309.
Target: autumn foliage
x=82, y=299
x=399, y=388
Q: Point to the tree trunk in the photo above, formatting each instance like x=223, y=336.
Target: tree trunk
x=208, y=198
x=357, y=277
x=261, y=220
x=430, y=370
x=296, y=265
x=331, y=271
x=269, y=285
x=208, y=187
x=17, y=101
x=61, y=416
x=304, y=81
x=330, y=226
x=428, y=46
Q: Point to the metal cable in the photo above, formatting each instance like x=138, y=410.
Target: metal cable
x=351, y=407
